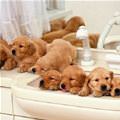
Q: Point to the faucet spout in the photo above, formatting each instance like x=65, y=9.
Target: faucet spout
x=114, y=21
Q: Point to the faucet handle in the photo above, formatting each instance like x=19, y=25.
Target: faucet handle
x=82, y=33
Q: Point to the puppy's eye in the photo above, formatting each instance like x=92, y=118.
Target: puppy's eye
x=107, y=78
x=96, y=80
x=20, y=46
x=71, y=78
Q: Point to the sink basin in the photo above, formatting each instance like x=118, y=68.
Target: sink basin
x=112, y=42
x=56, y=105
x=112, y=45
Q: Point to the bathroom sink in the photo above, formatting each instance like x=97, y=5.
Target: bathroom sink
x=112, y=45
x=112, y=42
x=57, y=105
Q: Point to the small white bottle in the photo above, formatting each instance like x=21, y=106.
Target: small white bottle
x=82, y=34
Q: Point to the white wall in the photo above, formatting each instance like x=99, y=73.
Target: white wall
x=95, y=13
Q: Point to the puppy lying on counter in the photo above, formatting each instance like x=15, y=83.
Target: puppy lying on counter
x=60, y=54
x=7, y=62
x=98, y=83
x=70, y=80
x=73, y=78
x=51, y=80
x=115, y=87
x=27, y=51
x=71, y=25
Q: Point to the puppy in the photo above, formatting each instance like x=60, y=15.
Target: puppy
x=60, y=54
x=97, y=83
x=71, y=26
x=7, y=61
x=93, y=39
x=51, y=80
x=57, y=24
x=115, y=90
x=26, y=51
x=73, y=78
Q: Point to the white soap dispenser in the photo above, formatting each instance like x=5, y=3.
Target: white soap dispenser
x=82, y=34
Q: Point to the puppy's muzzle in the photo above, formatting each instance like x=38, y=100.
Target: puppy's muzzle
x=41, y=84
x=103, y=87
x=14, y=52
x=2, y=63
x=117, y=92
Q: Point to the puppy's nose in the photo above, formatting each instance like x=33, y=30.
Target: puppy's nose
x=103, y=87
x=117, y=91
x=13, y=52
x=2, y=63
x=41, y=83
x=33, y=70
x=62, y=86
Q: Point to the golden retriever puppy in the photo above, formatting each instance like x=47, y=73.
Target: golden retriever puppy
x=93, y=39
x=60, y=54
x=57, y=24
x=97, y=83
x=27, y=51
x=51, y=80
x=73, y=78
x=7, y=61
x=115, y=90
x=71, y=26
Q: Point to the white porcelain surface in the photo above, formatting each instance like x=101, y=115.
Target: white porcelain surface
x=5, y=101
x=6, y=117
x=49, y=111
x=17, y=110
x=22, y=118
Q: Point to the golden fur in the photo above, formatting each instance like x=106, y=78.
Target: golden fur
x=97, y=83
x=7, y=61
x=57, y=24
x=115, y=90
x=93, y=39
x=73, y=78
x=59, y=55
x=72, y=25
x=26, y=51
x=51, y=80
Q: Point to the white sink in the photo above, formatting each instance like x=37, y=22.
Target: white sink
x=111, y=42
x=51, y=105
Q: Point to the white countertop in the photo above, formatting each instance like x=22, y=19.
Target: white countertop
x=8, y=78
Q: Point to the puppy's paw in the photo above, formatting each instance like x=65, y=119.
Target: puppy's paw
x=10, y=64
x=74, y=90
x=23, y=68
x=97, y=94
x=83, y=92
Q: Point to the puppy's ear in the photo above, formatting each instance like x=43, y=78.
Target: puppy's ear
x=31, y=49
x=85, y=91
x=111, y=74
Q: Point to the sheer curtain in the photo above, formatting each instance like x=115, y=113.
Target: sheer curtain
x=23, y=17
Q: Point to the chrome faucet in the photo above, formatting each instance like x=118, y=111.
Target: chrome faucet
x=114, y=21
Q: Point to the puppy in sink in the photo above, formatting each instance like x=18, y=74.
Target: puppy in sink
x=115, y=87
x=7, y=62
x=98, y=83
x=51, y=80
x=27, y=51
x=60, y=54
x=73, y=78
